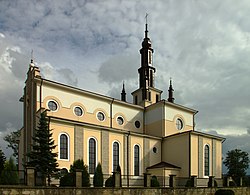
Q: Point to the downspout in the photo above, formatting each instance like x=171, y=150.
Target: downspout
x=41, y=94
x=189, y=154
x=128, y=159
x=144, y=125
x=111, y=123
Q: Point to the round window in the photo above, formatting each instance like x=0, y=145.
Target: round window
x=78, y=111
x=137, y=124
x=52, y=105
x=120, y=120
x=154, y=149
x=100, y=116
x=179, y=124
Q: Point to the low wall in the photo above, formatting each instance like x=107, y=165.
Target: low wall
x=18, y=190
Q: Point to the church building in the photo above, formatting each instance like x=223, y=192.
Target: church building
x=151, y=135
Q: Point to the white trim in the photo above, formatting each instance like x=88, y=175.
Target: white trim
x=57, y=105
x=80, y=108
x=59, y=148
x=96, y=152
x=119, y=145
x=133, y=157
x=209, y=160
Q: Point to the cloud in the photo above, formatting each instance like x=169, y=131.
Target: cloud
x=124, y=66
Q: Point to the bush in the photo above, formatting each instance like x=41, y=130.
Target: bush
x=154, y=182
x=224, y=192
x=188, y=183
x=69, y=178
x=209, y=183
x=110, y=182
x=98, y=176
x=232, y=184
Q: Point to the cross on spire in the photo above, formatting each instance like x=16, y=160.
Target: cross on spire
x=146, y=18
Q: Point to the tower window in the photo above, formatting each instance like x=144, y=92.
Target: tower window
x=149, y=96
x=179, y=124
x=157, y=98
x=151, y=79
x=136, y=100
x=150, y=57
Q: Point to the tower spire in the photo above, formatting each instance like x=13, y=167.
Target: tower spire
x=123, y=93
x=146, y=26
x=170, y=92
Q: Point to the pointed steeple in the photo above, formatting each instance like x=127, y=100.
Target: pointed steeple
x=123, y=93
x=146, y=71
x=147, y=94
x=170, y=92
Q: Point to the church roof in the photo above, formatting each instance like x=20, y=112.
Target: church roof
x=163, y=164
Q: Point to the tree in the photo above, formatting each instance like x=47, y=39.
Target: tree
x=42, y=157
x=2, y=161
x=9, y=175
x=13, y=141
x=237, y=162
x=98, y=176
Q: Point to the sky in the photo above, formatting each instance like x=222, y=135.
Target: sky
x=203, y=46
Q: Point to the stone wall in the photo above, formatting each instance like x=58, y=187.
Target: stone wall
x=18, y=190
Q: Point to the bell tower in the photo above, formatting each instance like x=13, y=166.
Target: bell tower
x=147, y=93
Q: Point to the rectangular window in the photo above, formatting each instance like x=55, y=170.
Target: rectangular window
x=149, y=57
x=149, y=96
x=136, y=100
x=157, y=98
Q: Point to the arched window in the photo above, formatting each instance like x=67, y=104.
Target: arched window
x=115, y=155
x=92, y=155
x=64, y=146
x=136, y=160
x=206, y=160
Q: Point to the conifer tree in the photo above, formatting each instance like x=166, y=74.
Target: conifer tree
x=79, y=164
x=42, y=156
x=69, y=178
x=98, y=176
x=2, y=161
